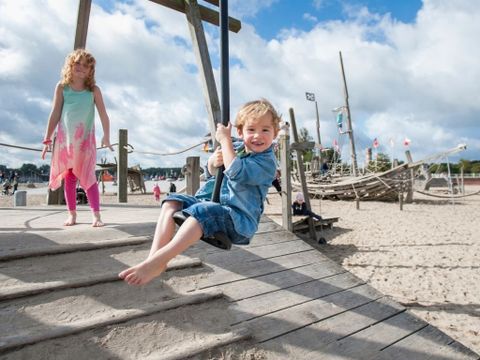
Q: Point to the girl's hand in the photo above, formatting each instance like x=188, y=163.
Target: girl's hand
x=46, y=148
x=106, y=143
x=223, y=132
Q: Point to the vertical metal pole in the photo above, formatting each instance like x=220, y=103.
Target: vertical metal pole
x=225, y=95
x=349, y=120
x=318, y=126
x=318, y=135
x=122, y=166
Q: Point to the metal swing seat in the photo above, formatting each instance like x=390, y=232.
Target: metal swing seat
x=219, y=239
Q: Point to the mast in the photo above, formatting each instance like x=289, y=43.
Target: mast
x=349, y=120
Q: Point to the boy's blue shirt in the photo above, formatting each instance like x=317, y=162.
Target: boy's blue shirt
x=244, y=187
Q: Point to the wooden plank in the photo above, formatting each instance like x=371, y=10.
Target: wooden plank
x=207, y=14
x=262, y=267
x=428, y=343
x=121, y=316
x=298, y=294
x=284, y=321
x=305, y=342
x=270, y=239
x=367, y=343
x=250, y=287
x=268, y=227
x=227, y=259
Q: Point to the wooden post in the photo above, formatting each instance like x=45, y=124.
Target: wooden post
x=400, y=197
x=122, y=166
x=409, y=197
x=462, y=179
x=301, y=173
x=205, y=66
x=82, y=24
x=192, y=175
x=286, y=182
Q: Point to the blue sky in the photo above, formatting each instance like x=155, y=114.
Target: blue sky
x=412, y=71
x=304, y=15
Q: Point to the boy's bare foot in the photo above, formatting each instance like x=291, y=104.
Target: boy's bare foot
x=97, y=221
x=71, y=220
x=142, y=273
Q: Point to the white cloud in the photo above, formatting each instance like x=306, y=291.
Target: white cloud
x=418, y=80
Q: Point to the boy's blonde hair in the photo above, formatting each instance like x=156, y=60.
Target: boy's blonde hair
x=70, y=60
x=254, y=110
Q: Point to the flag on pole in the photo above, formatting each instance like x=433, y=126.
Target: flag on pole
x=375, y=143
x=335, y=145
x=310, y=96
x=406, y=141
x=340, y=120
x=206, y=148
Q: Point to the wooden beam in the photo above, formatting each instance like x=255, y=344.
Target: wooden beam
x=286, y=176
x=205, y=66
x=206, y=14
x=192, y=174
x=301, y=173
x=213, y=2
x=122, y=167
x=82, y=24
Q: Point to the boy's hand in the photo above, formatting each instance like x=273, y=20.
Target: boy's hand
x=217, y=157
x=106, y=143
x=223, y=132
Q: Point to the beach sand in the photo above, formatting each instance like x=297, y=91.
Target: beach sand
x=426, y=257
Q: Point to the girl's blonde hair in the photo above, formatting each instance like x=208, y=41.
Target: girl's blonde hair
x=254, y=110
x=71, y=59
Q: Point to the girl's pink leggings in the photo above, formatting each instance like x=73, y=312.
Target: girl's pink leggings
x=71, y=193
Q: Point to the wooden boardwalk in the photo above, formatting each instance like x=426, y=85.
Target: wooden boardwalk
x=277, y=298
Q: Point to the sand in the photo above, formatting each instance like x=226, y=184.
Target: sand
x=426, y=257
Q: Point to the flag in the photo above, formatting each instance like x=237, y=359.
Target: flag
x=310, y=96
x=207, y=146
x=392, y=143
x=335, y=145
x=375, y=143
x=340, y=120
x=406, y=141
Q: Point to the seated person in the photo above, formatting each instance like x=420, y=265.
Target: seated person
x=300, y=207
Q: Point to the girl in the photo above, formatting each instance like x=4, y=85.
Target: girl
x=157, y=192
x=74, y=152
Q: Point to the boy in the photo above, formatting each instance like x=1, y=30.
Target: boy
x=250, y=167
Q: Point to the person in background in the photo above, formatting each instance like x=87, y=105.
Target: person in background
x=299, y=207
x=156, y=192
